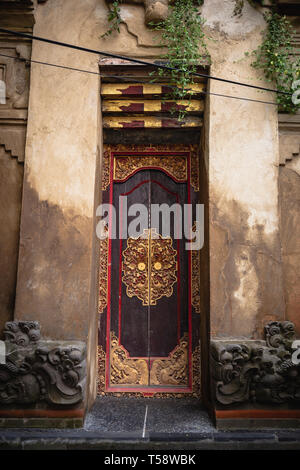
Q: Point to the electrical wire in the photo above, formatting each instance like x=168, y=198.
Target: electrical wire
x=137, y=61
x=134, y=80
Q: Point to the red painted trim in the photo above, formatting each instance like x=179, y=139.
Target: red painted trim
x=150, y=168
x=151, y=151
x=190, y=282
x=107, y=369
x=77, y=413
x=257, y=414
x=149, y=390
x=120, y=279
x=178, y=291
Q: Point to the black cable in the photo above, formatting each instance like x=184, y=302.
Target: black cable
x=137, y=61
x=134, y=80
x=200, y=92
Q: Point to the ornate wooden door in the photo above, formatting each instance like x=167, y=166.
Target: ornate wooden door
x=149, y=284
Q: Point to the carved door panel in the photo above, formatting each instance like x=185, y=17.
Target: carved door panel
x=148, y=326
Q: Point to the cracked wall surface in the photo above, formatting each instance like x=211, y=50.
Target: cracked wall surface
x=57, y=269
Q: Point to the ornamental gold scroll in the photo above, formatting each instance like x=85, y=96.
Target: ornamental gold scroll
x=149, y=267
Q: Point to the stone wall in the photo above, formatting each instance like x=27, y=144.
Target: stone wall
x=14, y=72
x=289, y=203
x=58, y=253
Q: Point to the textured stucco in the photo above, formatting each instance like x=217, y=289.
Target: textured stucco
x=56, y=278
x=246, y=275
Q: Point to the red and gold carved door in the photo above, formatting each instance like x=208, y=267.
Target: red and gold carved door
x=149, y=312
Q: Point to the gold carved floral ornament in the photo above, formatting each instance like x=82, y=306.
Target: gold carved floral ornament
x=123, y=369
x=172, y=370
x=126, y=165
x=149, y=267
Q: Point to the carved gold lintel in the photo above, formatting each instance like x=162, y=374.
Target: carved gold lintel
x=126, y=165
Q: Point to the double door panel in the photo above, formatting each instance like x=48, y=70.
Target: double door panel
x=149, y=337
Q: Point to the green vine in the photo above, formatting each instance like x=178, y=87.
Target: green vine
x=114, y=18
x=239, y=5
x=184, y=40
x=183, y=37
x=276, y=58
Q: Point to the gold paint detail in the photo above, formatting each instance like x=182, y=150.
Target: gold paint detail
x=196, y=371
x=175, y=165
x=105, y=170
x=103, y=274
x=134, y=256
x=172, y=370
x=149, y=267
x=125, y=370
x=163, y=278
x=195, y=278
x=143, y=89
x=101, y=371
x=152, y=122
x=195, y=177
x=149, y=106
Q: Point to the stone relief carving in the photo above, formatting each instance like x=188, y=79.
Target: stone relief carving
x=40, y=371
x=257, y=371
x=15, y=74
x=155, y=10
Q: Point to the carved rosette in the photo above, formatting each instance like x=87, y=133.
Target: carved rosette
x=149, y=267
x=125, y=370
x=257, y=371
x=135, y=267
x=174, y=369
x=174, y=165
x=163, y=267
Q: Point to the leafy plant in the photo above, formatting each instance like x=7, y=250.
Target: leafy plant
x=182, y=36
x=239, y=5
x=184, y=40
x=277, y=59
x=114, y=18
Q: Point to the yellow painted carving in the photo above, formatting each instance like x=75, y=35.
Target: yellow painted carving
x=123, y=369
x=149, y=267
x=175, y=165
x=119, y=89
x=149, y=121
x=172, y=370
x=117, y=105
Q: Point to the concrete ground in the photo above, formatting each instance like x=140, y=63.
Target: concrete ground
x=131, y=424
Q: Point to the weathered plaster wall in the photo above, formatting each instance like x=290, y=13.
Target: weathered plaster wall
x=246, y=276
x=56, y=278
x=289, y=192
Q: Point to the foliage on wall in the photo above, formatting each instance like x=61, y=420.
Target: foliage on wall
x=277, y=59
x=183, y=39
x=239, y=5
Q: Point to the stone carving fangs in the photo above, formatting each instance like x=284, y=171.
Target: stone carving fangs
x=257, y=371
x=40, y=371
